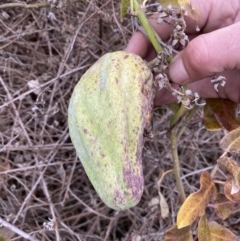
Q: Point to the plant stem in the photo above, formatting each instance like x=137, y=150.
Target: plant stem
x=177, y=115
x=176, y=165
x=186, y=121
x=146, y=25
x=155, y=39
x=24, y=5
x=16, y=230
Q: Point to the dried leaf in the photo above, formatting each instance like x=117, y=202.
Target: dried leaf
x=228, y=191
x=225, y=112
x=175, y=234
x=32, y=84
x=210, y=120
x=232, y=167
x=220, y=233
x=203, y=229
x=163, y=206
x=231, y=141
x=123, y=8
x=225, y=207
x=162, y=201
x=196, y=203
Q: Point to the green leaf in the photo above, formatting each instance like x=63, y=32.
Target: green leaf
x=123, y=8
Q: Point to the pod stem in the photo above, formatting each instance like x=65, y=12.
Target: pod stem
x=140, y=14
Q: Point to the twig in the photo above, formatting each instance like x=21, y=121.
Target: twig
x=88, y=207
x=189, y=116
x=17, y=231
x=24, y=5
x=176, y=166
x=47, y=83
x=147, y=27
x=52, y=209
x=62, y=139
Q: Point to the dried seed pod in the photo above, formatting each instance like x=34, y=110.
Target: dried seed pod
x=108, y=111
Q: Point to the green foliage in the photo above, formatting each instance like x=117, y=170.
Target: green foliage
x=123, y=8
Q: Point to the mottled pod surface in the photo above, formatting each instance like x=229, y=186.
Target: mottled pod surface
x=108, y=110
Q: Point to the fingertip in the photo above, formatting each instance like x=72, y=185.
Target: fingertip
x=138, y=44
x=177, y=71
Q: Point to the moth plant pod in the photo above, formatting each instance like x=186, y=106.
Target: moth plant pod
x=108, y=111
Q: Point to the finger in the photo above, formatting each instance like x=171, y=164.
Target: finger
x=138, y=44
x=206, y=55
x=163, y=97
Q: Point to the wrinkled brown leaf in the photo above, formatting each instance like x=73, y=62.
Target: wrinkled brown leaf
x=228, y=191
x=225, y=207
x=231, y=166
x=231, y=141
x=196, y=203
x=225, y=112
x=175, y=234
x=220, y=233
x=210, y=120
x=203, y=229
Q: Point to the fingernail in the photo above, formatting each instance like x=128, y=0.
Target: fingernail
x=177, y=72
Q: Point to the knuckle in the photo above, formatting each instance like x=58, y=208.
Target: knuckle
x=198, y=53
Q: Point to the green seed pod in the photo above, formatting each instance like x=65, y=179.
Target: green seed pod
x=108, y=111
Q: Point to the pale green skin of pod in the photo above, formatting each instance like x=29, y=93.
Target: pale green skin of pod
x=108, y=111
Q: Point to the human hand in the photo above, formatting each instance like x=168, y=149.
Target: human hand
x=213, y=50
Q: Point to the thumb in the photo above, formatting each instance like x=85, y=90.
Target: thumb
x=207, y=55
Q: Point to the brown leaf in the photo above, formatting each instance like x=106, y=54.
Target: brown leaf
x=163, y=206
x=203, y=229
x=231, y=141
x=228, y=191
x=231, y=166
x=220, y=233
x=210, y=120
x=225, y=207
x=175, y=234
x=225, y=112
x=196, y=203
x=162, y=201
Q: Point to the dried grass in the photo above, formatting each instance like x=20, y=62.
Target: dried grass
x=43, y=53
